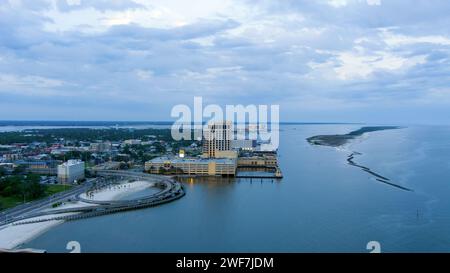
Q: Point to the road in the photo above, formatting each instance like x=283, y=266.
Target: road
x=21, y=211
x=171, y=191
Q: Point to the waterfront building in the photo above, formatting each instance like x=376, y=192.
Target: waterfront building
x=192, y=166
x=70, y=171
x=219, y=156
x=263, y=160
x=260, y=161
x=217, y=140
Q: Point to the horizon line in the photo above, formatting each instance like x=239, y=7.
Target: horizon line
x=162, y=122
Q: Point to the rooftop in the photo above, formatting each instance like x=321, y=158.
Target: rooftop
x=72, y=162
x=197, y=160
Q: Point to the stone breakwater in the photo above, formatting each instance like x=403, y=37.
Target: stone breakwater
x=378, y=177
x=340, y=140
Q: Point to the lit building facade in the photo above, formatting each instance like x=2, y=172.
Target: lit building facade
x=217, y=138
x=70, y=171
x=192, y=166
x=258, y=161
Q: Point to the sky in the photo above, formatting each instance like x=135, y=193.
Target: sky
x=374, y=61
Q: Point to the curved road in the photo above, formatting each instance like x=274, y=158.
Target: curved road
x=21, y=211
x=172, y=190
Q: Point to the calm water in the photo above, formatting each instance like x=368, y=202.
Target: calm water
x=321, y=205
x=14, y=125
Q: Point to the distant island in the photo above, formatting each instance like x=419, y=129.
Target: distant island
x=339, y=140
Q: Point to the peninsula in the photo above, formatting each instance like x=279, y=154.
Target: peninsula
x=339, y=140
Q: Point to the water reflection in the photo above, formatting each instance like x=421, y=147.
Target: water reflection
x=321, y=205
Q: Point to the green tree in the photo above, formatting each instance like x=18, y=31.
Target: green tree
x=19, y=170
x=10, y=186
x=33, y=189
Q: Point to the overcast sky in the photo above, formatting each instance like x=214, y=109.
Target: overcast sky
x=379, y=61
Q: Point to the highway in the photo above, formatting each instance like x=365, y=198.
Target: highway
x=171, y=190
x=21, y=211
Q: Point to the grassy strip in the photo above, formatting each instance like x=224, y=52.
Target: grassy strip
x=12, y=201
x=9, y=202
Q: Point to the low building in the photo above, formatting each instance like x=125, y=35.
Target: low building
x=48, y=167
x=7, y=167
x=100, y=147
x=67, y=149
x=122, y=157
x=110, y=165
x=265, y=160
x=192, y=166
x=71, y=171
x=132, y=142
x=225, y=154
x=243, y=144
x=12, y=157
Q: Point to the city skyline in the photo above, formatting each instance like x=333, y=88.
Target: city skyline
x=321, y=61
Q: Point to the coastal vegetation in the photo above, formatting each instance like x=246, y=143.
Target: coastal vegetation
x=18, y=189
x=78, y=135
x=339, y=140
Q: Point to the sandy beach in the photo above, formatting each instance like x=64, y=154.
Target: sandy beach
x=118, y=192
x=12, y=236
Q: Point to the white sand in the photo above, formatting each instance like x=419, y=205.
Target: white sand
x=118, y=191
x=14, y=236
x=69, y=205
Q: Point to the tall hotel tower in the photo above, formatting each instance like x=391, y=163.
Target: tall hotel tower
x=217, y=139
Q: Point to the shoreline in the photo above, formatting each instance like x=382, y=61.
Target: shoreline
x=117, y=192
x=343, y=139
x=15, y=236
x=343, y=143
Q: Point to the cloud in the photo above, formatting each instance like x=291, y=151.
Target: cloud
x=199, y=29
x=101, y=5
x=373, y=2
x=343, y=3
x=358, y=65
x=315, y=58
x=9, y=80
x=34, y=5
x=393, y=39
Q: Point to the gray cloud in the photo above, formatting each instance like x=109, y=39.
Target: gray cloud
x=314, y=59
x=101, y=5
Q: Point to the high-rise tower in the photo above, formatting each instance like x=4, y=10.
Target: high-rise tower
x=217, y=138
